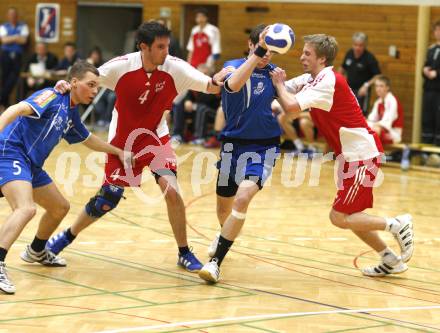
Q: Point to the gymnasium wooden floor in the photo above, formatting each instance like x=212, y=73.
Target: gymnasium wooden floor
x=290, y=270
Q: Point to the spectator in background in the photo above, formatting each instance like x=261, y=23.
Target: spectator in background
x=360, y=67
x=70, y=56
x=174, y=48
x=105, y=100
x=431, y=92
x=291, y=127
x=386, y=117
x=38, y=66
x=13, y=36
x=95, y=57
x=204, y=43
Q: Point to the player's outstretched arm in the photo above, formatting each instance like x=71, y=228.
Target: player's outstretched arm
x=62, y=87
x=97, y=144
x=286, y=99
x=12, y=112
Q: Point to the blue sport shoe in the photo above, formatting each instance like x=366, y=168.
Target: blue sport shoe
x=57, y=243
x=189, y=262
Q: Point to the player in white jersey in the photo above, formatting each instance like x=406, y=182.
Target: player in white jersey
x=339, y=119
x=145, y=83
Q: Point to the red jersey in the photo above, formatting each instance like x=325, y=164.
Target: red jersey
x=337, y=115
x=142, y=98
x=202, y=43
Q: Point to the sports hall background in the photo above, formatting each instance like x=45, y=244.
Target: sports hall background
x=408, y=27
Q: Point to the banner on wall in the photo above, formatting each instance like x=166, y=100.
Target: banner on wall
x=47, y=22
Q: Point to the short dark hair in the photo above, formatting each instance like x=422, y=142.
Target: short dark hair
x=254, y=36
x=80, y=69
x=72, y=44
x=148, y=31
x=202, y=11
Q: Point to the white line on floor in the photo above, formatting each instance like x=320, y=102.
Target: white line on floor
x=265, y=316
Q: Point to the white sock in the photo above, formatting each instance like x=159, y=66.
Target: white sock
x=393, y=225
x=389, y=257
x=298, y=144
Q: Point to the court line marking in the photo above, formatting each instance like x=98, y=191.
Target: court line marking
x=265, y=316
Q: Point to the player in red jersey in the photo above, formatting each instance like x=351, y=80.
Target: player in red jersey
x=145, y=84
x=338, y=117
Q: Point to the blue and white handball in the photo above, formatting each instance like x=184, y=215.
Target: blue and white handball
x=280, y=38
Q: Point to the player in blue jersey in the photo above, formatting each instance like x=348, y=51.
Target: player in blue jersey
x=29, y=131
x=250, y=144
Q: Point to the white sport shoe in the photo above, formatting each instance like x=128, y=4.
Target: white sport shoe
x=405, y=236
x=210, y=272
x=45, y=257
x=213, y=247
x=5, y=284
x=385, y=269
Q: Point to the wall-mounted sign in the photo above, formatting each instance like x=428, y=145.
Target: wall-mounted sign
x=47, y=22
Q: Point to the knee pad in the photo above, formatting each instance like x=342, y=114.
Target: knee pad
x=105, y=200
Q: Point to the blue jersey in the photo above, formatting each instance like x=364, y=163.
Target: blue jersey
x=248, y=111
x=7, y=29
x=36, y=135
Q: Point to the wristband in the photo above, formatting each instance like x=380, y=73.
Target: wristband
x=260, y=51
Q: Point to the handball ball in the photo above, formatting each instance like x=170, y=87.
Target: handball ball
x=280, y=38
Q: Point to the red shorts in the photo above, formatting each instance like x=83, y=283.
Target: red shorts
x=355, y=185
x=159, y=157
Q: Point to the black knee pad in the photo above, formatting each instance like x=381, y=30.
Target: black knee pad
x=105, y=200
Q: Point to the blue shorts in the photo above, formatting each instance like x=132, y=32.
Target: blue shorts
x=15, y=165
x=244, y=161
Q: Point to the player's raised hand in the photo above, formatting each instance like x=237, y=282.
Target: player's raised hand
x=278, y=76
x=62, y=87
x=263, y=34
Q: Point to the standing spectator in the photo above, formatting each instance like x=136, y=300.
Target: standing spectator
x=13, y=35
x=204, y=43
x=70, y=56
x=431, y=92
x=386, y=117
x=38, y=66
x=360, y=67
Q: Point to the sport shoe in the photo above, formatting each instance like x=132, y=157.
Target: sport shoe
x=210, y=271
x=189, y=262
x=405, y=236
x=385, y=269
x=5, y=284
x=213, y=246
x=57, y=243
x=45, y=257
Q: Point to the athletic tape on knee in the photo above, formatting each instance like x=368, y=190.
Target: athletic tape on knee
x=105, y=200
x=238, y=215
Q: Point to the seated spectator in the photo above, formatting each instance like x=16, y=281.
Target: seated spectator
x=70, y=56
x=39, y=66
x=205, y=107
x=303, y=124
x=386, y=117
x=95, y=57
x=104, y=105
x=181, y=111
x=219, y=124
